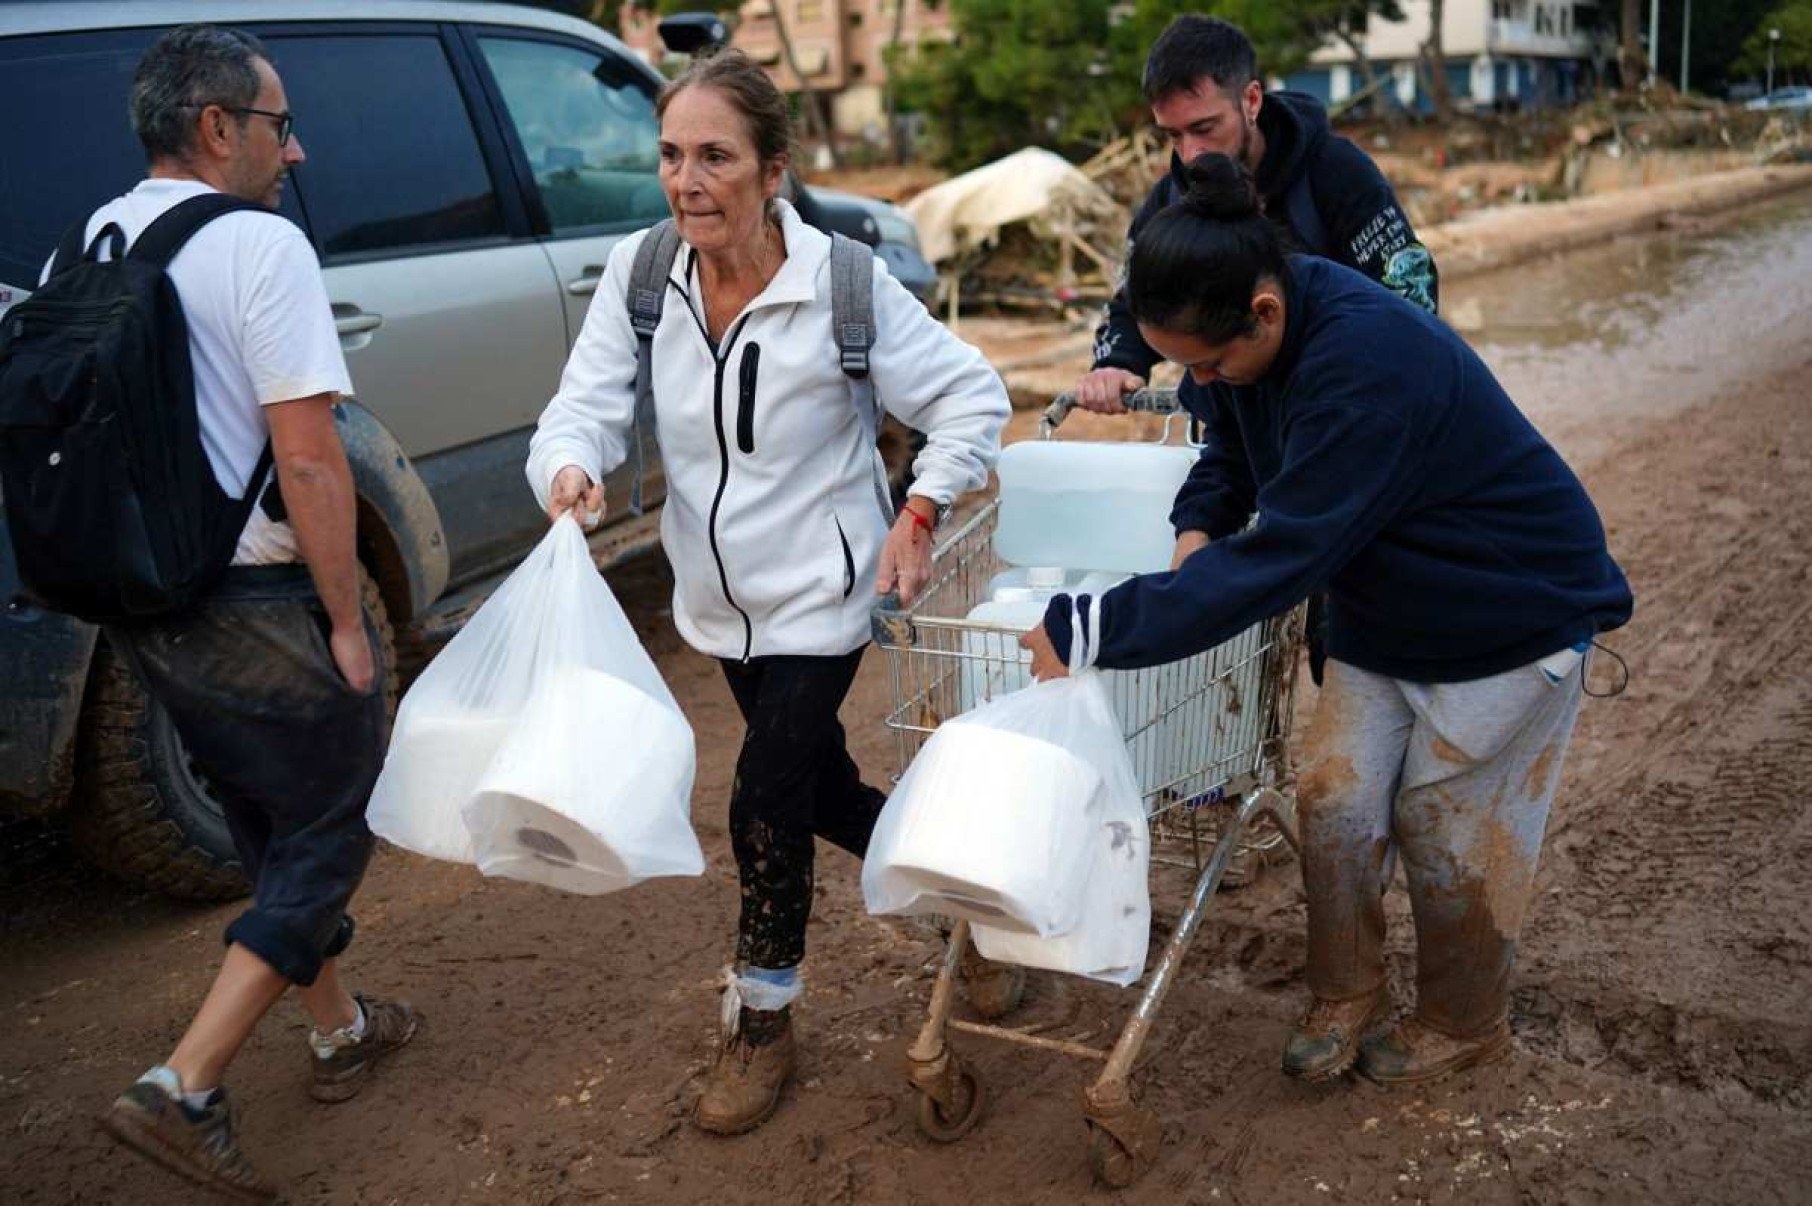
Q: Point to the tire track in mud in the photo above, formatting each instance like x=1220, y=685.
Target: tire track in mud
x=1673, y=941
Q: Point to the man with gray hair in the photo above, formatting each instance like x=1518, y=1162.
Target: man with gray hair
x=271, y=680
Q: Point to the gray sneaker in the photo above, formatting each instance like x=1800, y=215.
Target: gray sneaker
x=341, y=1062
x=199, y=1146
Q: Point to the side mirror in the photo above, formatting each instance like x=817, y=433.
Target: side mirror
x=694, y=33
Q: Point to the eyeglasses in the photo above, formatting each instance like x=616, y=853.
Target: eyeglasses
x=286, y=122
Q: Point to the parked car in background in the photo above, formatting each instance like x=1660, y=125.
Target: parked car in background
x=470, y=166
x=1798, y=97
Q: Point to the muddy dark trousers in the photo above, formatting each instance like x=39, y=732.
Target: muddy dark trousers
x=287, y=747
x=794, y=780
x=1460, y=776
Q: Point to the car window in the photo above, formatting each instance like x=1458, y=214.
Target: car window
x=588, y=129
x=393, y=161
x=53, y=173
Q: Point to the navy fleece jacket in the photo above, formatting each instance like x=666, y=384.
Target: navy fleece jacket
x=1385, y=465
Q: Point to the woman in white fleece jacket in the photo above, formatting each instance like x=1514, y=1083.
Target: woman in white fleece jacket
x=771, y=520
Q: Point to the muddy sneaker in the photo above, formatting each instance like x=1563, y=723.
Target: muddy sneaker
x=752, y=1068
x=199, y=1145
x=341, y=1062
x=1326, y=1042
x=993, y=989
x=1415, y=1052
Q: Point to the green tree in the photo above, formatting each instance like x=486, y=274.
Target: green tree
x=1019, y=73
x=1065, y=73
x=1792, y=53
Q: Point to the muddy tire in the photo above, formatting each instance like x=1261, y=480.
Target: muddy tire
x=942, y=1126
x=142, y=811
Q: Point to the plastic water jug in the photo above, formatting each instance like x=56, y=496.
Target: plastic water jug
x=994, y=664
x=1085, y=505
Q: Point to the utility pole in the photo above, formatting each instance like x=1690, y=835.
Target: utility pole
x=1686, y=47
x=1654, y=38
x=1774, y=37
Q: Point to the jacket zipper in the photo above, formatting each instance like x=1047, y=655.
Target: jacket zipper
x=849, y=559
x=723, y=482
x=745, y=410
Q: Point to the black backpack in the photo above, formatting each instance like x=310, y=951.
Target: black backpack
x=112, y=505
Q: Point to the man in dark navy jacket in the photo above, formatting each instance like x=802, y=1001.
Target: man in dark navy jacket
x=1324, y=193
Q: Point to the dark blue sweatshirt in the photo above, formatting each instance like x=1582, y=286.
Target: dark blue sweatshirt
x=1386, y=465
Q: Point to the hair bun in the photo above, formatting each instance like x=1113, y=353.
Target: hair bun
x=1220, y=188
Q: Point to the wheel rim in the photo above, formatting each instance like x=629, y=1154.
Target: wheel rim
x=176, y=755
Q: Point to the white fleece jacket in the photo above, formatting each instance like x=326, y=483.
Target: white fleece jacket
x=771, y=521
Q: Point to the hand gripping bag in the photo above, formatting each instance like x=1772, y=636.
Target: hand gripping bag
x=542, y=744
x=996, y=819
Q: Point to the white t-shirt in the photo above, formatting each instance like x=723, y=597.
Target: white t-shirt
x=260, y=331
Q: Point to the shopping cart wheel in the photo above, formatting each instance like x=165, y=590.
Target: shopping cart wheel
x=1114, y=1162
x=948, y=1125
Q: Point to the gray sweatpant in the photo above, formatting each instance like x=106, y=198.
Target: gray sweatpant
x=1460, y=777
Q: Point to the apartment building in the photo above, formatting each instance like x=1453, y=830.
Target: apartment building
x=838, y=46
x=1499, y=53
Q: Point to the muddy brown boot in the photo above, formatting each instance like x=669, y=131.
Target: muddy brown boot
x=752, y=1068
x=994, y=989
x=1415, y=1052
x=342, y=1063
x=198, y=1144
x=1326, y=1042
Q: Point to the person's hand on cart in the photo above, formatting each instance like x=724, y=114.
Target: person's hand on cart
x=1046, y=665
x=1103, y=389
x=906, y=557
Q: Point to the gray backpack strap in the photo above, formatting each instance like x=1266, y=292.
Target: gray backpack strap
x=852, y=267
x=645, y=298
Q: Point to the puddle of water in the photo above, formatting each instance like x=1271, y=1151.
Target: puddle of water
x=1595, y=340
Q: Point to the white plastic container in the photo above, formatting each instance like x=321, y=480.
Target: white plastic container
x=1085, y=505
x=994, y=664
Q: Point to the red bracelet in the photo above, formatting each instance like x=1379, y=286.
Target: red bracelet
x=920, y=520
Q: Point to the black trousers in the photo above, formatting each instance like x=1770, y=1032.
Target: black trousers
x=288, y=748
x=794, y=780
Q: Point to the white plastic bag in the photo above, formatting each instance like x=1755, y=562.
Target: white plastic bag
x=997, y=818
x=542, y=744
x=1111, y=940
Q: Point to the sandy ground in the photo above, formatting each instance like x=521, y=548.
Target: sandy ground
x=1663, y=1051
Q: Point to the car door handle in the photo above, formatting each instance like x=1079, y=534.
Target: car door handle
x=586, y=283
x=354, y=325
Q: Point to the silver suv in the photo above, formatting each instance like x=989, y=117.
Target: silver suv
x=470, y=167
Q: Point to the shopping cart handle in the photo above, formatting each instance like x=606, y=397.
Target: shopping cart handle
x=1149, y=401
x=891, y=624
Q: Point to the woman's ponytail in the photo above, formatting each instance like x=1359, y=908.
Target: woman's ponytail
x=1196, y=264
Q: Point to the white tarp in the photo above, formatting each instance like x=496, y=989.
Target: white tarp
x=967, y=211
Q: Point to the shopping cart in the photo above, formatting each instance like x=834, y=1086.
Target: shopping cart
x=1207, y=736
